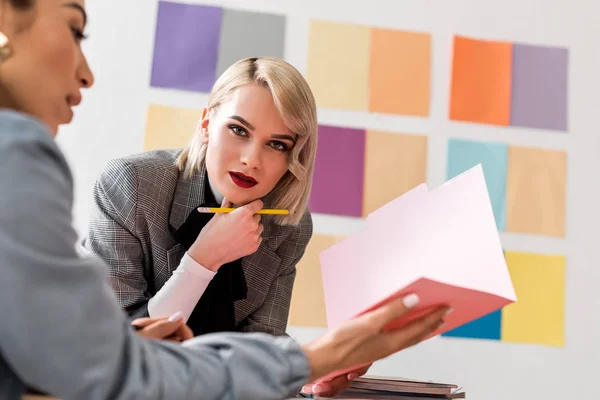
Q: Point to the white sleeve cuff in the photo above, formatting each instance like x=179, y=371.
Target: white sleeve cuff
x=182, y=291
x=189, y=264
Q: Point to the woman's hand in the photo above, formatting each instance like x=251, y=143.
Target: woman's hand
x=364, y=339
x=336, y=385
x=228, y=237
x=172, y=328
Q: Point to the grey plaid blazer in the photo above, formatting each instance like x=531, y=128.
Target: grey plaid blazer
x=141, y=200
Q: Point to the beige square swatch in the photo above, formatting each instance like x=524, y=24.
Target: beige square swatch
x=338, y=65
x=394, y=164
x=308, y=301
x=536, y=191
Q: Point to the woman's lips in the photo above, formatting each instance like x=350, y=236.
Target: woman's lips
x=242, y=180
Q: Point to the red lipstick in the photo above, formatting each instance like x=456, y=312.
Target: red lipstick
x=242, y=180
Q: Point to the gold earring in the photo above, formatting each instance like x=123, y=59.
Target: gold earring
x=4, y=47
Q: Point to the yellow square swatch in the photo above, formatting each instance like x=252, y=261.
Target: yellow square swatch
x=308, y=300
x=536, y=191
x=169, y=127
x=394, y=164
x=400, y=73
x=538, y=315
x=338, y=65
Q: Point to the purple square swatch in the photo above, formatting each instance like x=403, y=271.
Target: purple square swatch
x=539, y=87
x=186, y=46
x=339, y=172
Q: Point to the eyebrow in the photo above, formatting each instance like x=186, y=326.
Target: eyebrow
x=243, y=122
x=251, y=127
x=284, y=137
x=79, y=8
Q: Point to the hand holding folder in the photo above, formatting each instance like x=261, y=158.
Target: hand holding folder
x=441, y=244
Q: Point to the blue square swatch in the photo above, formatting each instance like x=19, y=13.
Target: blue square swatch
x=487, y=327
x=493, y=157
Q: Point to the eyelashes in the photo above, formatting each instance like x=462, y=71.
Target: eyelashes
x=275, y=144
x=238, y=130
x=78, y=35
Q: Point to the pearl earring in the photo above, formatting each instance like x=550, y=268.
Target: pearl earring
x=4, y=48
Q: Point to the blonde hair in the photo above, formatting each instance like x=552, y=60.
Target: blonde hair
x=296, y=105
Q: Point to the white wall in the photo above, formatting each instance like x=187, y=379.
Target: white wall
x=111, y=122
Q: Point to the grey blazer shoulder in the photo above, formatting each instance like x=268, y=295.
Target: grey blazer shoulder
x=142, y=199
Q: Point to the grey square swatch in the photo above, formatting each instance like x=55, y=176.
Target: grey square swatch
x=250, y=34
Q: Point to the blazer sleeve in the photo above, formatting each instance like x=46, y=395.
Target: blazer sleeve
x=112, y=236
x=272, y=316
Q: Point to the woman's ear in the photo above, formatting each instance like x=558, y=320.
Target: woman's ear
x=204, y=125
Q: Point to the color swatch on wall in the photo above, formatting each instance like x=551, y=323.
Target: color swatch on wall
x=169, y=127
x=361, y=68
x=195, y=43
x=308, y=302
x=357, y=170
x=527, y=186
x=538, y=316
x=509, y=84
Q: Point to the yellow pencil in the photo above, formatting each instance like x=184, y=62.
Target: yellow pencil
x=221, y=210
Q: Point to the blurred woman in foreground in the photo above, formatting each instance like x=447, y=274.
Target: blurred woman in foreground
x=63, y=331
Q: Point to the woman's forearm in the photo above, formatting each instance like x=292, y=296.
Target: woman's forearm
x=182, y=291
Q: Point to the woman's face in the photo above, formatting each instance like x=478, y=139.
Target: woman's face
x=248, y=145
x=46, y=70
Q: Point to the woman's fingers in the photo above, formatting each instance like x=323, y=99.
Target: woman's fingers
x=182, y=334
x=143, y=322
x=391, y=311
x=225, y=203
x=416, y=331
x=331, y=388
x=185, y=333
x=352, y=375
x=161, y=329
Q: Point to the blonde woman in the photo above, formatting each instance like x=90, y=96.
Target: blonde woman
x=255, y=147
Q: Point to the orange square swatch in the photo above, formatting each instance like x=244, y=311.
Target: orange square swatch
x=400, y=72
x=536, y=191
x=481, y=81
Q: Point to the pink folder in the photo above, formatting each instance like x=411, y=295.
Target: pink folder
x=441, y=244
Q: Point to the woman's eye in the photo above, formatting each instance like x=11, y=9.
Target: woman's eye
x=279, y=146
x=78, y=34
x=239, y=131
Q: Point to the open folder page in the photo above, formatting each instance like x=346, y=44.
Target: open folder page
x=441, y=244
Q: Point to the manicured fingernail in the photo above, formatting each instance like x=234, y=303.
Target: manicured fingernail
x=448, y=311
x=307, y=389
x=176, y=317
x=352, y=376
x=411, y=300
x=319, y=389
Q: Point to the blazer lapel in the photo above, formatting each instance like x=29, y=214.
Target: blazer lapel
x=189, y=193
x=260, y=269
